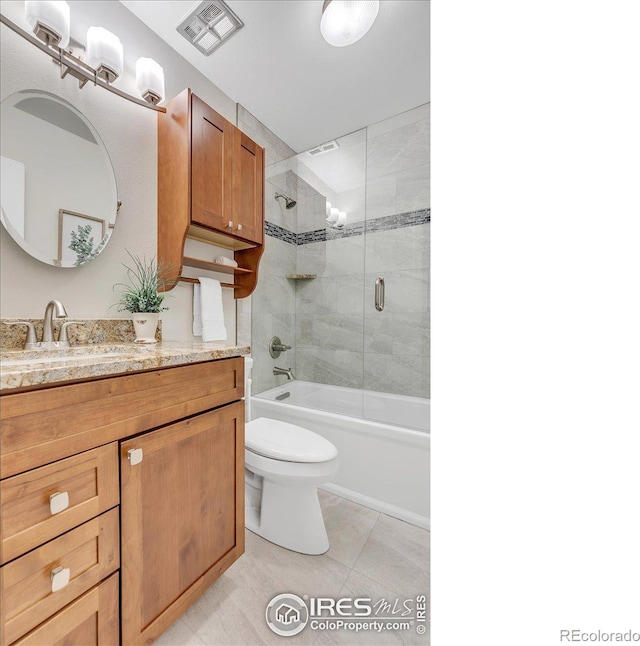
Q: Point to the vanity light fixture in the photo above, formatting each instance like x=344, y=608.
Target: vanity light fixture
x=344, y=22
x=150, y=80
x=104, y=53
x=49, y=21
x=103, y=57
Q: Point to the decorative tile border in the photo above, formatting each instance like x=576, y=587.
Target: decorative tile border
x=386, y=223
x=280, y=233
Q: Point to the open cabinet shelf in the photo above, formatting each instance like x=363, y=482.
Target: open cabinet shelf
x=214, y=266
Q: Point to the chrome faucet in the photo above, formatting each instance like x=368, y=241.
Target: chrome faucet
x=47, y=324
x=284, y=371
x=54, y=309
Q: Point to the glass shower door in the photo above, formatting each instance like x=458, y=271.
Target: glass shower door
x=396, y=265
x=329, y=288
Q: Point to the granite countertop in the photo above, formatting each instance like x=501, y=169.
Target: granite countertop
x=28, y=368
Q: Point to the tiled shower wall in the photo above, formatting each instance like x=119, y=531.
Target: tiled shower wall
x=337, y=335
x=272, y=304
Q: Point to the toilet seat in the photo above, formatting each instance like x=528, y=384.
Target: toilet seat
x=286, y=442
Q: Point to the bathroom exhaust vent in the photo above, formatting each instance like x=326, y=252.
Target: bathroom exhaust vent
x=209, y=25
x=323, y=148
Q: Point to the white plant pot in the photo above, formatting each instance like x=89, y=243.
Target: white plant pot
x=145, y=324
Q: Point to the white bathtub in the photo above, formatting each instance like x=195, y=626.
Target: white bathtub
x=384, y=460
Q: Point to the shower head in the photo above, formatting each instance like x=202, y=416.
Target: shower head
x=289, y=203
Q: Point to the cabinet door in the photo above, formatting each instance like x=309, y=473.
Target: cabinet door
x=248, y=188
x=211, y=167
x=182, y=516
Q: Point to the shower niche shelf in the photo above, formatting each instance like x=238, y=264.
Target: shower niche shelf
x=210, y=189
x=301, y=276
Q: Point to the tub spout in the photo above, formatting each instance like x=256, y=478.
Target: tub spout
x=284, y=371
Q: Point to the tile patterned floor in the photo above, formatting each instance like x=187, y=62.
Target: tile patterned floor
x=371, y=555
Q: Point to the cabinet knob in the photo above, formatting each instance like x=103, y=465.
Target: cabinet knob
x=134, y=456
x=239, y=227
x=60, y=578
x=230, y=225
x=58, y=502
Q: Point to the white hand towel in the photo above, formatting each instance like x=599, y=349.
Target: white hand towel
x=208, y=315
x=197, y=311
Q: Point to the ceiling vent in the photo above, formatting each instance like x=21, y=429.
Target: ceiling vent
x=323, y=148
x=209, y=25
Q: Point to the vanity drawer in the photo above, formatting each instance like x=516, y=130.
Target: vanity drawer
x=89, y=553
x=92, y=620
x=28, y=501
x=45, y=425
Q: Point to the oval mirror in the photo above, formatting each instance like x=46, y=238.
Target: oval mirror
x=58, y=196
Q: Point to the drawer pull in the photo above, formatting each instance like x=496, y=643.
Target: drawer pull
x=134, y=456
x=58, y=502
x=60, y=578
x=239, y=227
x=230, y=225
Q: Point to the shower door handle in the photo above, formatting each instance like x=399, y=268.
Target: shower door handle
x=379, y=293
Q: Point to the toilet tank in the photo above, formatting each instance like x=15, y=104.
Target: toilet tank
x=248, y=365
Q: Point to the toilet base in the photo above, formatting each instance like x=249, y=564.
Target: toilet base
x=290, y=517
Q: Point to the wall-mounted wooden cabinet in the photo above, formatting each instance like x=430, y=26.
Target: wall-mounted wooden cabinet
x=210, y=188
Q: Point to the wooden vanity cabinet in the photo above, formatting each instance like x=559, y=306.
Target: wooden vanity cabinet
x=210, y=188
x=166, y=525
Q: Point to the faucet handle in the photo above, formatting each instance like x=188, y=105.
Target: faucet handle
x=276, y=347
x=63, y=338
x=31, y=332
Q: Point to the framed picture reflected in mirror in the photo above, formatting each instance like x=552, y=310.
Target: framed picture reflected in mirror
x=80, y=237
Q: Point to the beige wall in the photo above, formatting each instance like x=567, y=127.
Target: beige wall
x=129, y=133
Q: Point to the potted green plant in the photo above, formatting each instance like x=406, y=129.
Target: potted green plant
x=140, y=296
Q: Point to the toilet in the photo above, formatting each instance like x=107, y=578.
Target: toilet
x=284, y=464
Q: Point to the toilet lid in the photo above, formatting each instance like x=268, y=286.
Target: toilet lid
x=288, y=442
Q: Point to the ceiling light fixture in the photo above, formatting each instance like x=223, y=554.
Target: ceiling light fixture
x=344, y=22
